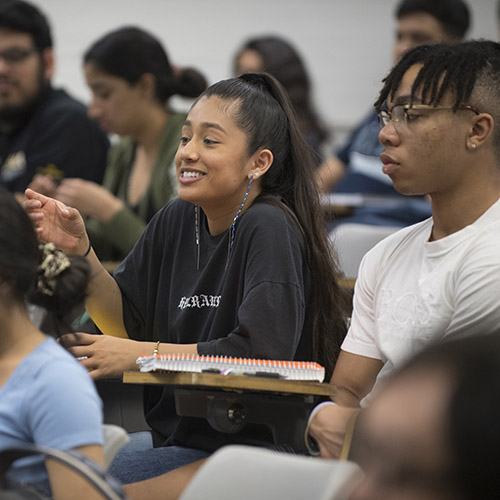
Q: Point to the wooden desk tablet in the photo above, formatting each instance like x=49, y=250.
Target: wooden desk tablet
x=229, y=402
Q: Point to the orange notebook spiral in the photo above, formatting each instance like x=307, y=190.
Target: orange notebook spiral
x=226, y=365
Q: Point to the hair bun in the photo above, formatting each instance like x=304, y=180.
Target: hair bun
x=54, y=262
x=191, y=83
x=61, y=286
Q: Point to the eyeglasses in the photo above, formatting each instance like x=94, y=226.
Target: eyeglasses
x=401, y=114
x=16, y=55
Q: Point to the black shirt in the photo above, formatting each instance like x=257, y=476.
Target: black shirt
x=250, y=302
x=56, y=139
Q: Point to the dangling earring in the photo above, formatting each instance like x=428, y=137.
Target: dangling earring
x=233, y=225
x=197, y=234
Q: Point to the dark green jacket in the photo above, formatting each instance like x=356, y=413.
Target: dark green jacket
x=115, y=239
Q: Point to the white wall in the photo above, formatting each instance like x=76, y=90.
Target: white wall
x=346, y=43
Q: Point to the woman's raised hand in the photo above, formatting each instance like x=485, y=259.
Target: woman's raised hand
x=56, y=223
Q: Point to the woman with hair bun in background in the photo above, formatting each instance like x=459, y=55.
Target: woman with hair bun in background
x=131, y=80
x=46, y=397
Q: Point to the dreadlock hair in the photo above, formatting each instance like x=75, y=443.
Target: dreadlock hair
x=453, y=15
x=264, y=112
x=470, y=71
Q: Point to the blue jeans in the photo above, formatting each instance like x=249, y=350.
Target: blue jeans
x=138, y=460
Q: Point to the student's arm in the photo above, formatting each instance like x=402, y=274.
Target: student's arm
x=353, y=378
x=64, y=226
x=104, y=300
x=109, y=355
x=105, y=356
x=69, y=485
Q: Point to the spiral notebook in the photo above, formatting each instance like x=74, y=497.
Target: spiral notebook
x=225, y=365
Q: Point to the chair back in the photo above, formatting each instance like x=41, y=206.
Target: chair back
x=247, y=473
x=107, y=486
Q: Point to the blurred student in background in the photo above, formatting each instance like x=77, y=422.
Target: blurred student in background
x=356, y=167
x=42, y=130
x=432, y=432
x=274, y=55
x=47, y=398
x=132, y=80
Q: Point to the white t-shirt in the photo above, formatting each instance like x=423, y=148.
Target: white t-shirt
x=411, y=292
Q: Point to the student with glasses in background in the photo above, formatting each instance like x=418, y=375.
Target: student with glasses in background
x=42, y=130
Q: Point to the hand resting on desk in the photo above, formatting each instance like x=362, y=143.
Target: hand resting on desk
x=104, y=356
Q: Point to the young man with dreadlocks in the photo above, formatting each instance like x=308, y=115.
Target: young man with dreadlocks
x=439, y=112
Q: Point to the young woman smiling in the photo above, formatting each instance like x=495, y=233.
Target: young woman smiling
x=239, y=265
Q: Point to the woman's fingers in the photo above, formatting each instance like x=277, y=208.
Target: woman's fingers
x=101, y=355
x=72, y=339
x=32, y=204
x=33, y=195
